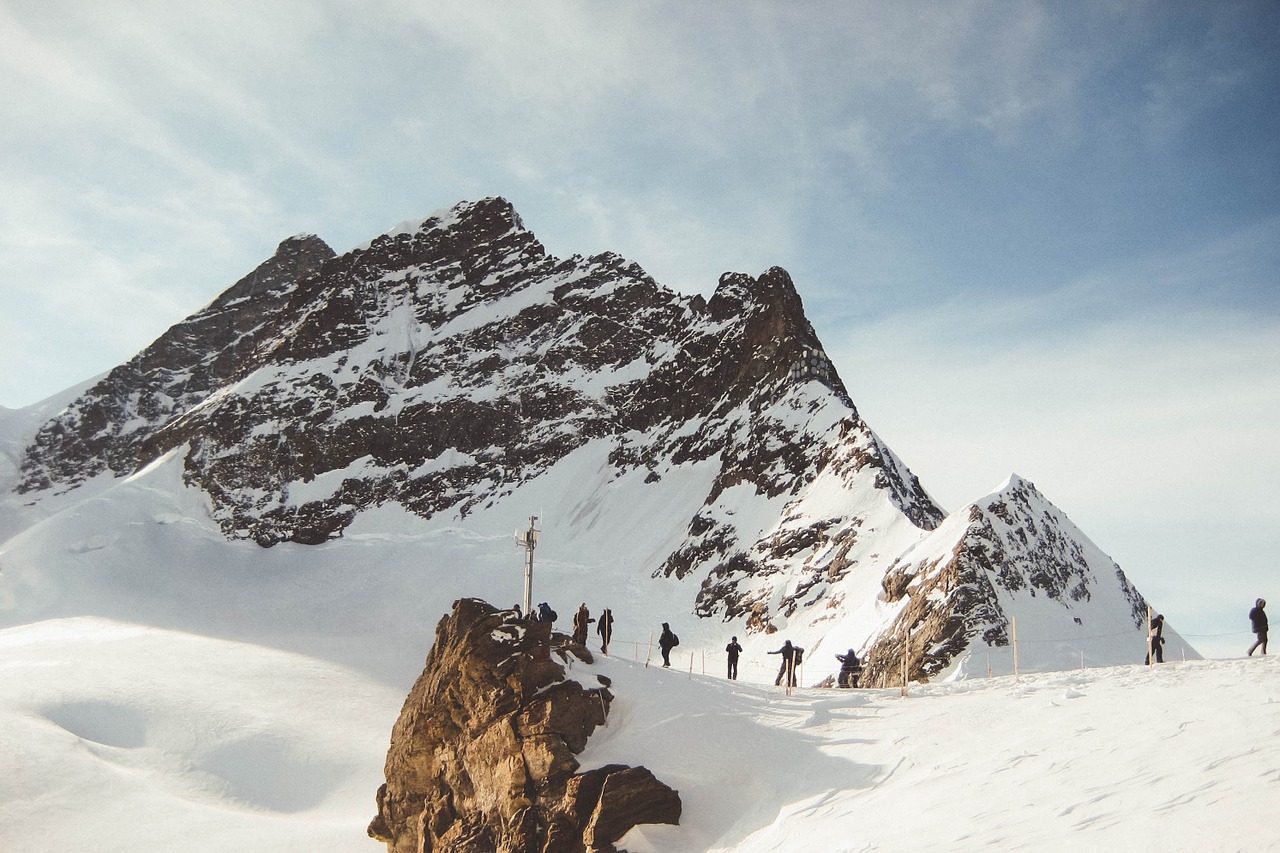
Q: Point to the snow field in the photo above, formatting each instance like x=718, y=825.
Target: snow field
x=129, y=738
x=1177, y=757
x=123, y=737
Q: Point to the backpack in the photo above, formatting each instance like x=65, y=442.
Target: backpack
x=799, y=656
x=675, y=639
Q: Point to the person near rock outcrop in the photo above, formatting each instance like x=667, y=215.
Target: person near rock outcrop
x=791, y=658
x=850, y=669
x=733, y=650
x=666, y=642
x=542, y=613
x=1155, y=640
x=1258, y=621
x=581, y=624
x=605, y=629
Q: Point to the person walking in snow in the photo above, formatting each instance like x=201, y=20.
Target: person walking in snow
x=666, y=642
x=581, y=624
x=1258, y=621
x=605, y=630
x=850, y=669
x=791, y=657
x=733, y=650
x=1155, y=640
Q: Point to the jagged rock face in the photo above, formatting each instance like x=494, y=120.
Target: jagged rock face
x=445, y=364
x=453, y=367
x=482, y=756
x=111, y=426
x=1015, y=543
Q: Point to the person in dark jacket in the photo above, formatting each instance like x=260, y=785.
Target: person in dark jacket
x=605, y=629
x=733, y=650
x=581, y=624
x=850, y=669
x=667, y=641
x=1155, y=640
x=1258, y=621
x=791, y=656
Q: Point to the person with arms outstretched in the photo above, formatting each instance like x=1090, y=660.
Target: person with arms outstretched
x=791, y=655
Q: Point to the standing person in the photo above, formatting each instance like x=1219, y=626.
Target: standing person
x=581, y=624
x=605, y=630
x=667, y=641
x=850, y=669
x=733, y=650
x=789, y=660
x=1155, y=640
x=1258, y=621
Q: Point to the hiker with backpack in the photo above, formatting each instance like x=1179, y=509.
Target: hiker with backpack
x=666, y=642
x=542, y=613
x=791, y=658
x=850, y=669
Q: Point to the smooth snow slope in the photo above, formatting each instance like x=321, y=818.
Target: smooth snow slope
x=127, y=738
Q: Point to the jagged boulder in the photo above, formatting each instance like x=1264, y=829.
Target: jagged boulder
x=482, y=757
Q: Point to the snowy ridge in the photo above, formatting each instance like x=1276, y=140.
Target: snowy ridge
x=697, y=460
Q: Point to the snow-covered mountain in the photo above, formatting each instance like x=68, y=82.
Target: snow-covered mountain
x=340, y=445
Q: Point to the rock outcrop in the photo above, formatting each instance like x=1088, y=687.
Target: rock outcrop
x=482, y=758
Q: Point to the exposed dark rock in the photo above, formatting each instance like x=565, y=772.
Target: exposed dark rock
x=482, y=757
x=1014, y=542
x=446, y=363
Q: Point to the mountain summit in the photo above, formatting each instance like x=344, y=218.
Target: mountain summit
x=700, y=456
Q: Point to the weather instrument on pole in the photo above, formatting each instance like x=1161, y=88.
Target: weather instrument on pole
x=528, y=540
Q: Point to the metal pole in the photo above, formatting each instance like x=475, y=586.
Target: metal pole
x=529, y=540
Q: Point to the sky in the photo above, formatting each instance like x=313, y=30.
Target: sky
x=1034, y=237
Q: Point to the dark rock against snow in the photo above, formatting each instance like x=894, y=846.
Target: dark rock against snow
x=448, y=362
x=482, y=757
x=1010, y=544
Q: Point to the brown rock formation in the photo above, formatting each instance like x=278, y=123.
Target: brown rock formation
x=482, y=757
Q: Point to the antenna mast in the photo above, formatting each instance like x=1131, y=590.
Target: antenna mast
x=528, y=540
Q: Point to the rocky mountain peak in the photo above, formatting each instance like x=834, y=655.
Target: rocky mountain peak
x=451, y=368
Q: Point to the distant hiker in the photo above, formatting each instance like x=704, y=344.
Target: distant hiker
x=1258, y=620
x=733, y=650
x=581, y=624
x=850, y=669
x=545, y=613
x=518, y=617
x=791, y=658
x=1155, y=640
x=667, y=642
x=605, y=629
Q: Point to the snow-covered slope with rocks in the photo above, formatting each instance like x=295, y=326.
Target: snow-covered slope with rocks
x=128, y=739
x=365, y=430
